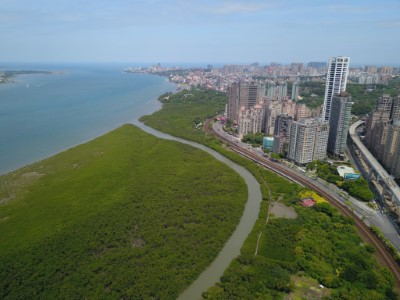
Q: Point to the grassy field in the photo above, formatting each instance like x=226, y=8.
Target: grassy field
x=183, y=113
x=295, y=255
x=126, y=215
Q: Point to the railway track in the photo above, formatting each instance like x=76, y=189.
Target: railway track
x=382, y=253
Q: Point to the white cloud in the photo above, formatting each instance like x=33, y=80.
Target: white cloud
x=230, y=8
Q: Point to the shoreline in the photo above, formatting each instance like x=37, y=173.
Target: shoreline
x=9, y=75
x=155, y=102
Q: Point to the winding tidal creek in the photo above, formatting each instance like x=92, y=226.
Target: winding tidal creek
x=232, y=247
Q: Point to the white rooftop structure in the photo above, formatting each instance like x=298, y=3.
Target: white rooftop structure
x=345, y=170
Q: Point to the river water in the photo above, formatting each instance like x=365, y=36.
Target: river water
x=232, y=247
x=41, y=115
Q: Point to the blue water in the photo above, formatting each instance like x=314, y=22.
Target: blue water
x=41, y=115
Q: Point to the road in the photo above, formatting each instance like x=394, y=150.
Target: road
x=376, y=166
x=355, y=211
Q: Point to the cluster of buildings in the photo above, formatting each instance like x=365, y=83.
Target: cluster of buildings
x=383, y=133
x=373, y=75
x=264, y=99
x=301, y=134
x=221, y=78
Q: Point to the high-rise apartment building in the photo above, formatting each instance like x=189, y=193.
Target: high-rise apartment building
x=302, y=112
x=250, y=120
x=321, y=140
x=339, y=123
x=395, y=170
x=271, y=90
x=373, y=119
x=308, y=139
x=395, y=112
x=295, y=90
x=233, y=101
x=248, y=94
x=384, y=103
x=297, y=68
x=385, y=70
x=241, y=95
x=336, y=80
x=281, y=133
x=288, y=107
x=257, y=113
x=378, y=139
x=282, y=90
x=244, y=122
x=392, y=146
x=273, y=108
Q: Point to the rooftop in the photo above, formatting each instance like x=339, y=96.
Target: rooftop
x=345, y=170
x=307, y=202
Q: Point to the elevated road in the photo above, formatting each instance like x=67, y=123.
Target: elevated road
x=383, y=175
x=382, y=253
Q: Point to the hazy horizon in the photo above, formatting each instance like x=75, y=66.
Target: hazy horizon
x=210, y=32
x=5, y=65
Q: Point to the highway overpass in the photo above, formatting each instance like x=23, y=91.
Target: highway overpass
x=377, y=172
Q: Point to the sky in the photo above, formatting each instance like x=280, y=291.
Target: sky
x=209, y=31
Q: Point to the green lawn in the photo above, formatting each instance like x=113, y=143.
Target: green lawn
x=126, y=215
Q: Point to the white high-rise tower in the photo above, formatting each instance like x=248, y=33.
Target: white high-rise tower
x=336, y=80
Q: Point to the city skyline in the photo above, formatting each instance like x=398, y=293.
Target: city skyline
x=190, y=32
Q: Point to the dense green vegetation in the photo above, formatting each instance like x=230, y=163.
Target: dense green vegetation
x=125, y=216
x=388, y=244
x=289, y=248
x=183, y=111
x=254, y=139
x=357, y=188
x=312, y=93
x=364, y=96
x=293, y=246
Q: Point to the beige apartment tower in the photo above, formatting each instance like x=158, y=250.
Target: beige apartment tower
x=308, y=140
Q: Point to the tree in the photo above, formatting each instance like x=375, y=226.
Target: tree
x=359, y=189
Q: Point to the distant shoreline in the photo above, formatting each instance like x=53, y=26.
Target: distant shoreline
x=8, y=75
x=133, y=121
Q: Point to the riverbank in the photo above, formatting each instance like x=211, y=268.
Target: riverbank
x=118, y=211
x=231, y=248
x=59, y=111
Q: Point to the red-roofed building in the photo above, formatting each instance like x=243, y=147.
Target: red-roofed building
x=307, y=202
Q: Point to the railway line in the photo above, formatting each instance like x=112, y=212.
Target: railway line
x=382, y=253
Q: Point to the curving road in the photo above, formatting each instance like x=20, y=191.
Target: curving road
x=382, y=253
x=383, y=174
